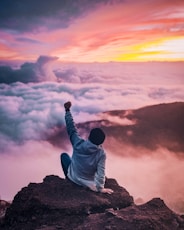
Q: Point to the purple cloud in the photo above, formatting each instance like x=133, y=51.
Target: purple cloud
x=29, y=72
x=23, y=16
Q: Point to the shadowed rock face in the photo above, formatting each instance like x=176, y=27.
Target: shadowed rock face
x=59, y=204
x=3, y=207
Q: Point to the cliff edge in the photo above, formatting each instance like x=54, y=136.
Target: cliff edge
x=57, y=203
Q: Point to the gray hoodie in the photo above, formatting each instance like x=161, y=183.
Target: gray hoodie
x=87, y=167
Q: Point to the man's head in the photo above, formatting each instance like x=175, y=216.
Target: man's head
x=97, y=136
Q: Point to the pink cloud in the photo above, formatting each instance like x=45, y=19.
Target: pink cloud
x=28, y=163
x=153, y=174
x=107, y=31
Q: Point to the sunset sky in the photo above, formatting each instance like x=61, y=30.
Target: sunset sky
x=88, y=31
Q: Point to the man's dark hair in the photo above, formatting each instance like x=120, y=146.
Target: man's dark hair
x=97, y=136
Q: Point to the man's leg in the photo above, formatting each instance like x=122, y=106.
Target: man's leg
x=65, y=162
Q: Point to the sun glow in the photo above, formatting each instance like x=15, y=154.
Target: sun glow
x=163, y=49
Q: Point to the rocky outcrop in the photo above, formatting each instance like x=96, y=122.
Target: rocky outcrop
x=3, y=207
x=154, y=215
x=59, y=204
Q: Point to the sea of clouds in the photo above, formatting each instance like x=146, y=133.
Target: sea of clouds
x=31, y=112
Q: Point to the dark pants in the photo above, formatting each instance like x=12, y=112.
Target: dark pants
x=65, y=162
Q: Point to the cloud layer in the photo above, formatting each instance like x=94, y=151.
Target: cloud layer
x=35, y=110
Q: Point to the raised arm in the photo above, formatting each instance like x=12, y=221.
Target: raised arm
x=70, y=125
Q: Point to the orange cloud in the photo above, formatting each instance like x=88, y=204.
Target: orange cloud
x=163, y=49
x=121, y=33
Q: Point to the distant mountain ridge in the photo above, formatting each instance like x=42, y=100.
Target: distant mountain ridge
x=152, y=127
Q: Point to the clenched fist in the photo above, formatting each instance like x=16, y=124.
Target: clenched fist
x=67, y=105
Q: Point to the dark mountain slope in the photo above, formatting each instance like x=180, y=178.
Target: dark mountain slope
x=152, y=127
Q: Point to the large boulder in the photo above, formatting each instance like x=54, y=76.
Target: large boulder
x=58, y=203
x=59, y=199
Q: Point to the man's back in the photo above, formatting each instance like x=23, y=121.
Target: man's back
x=86, y=158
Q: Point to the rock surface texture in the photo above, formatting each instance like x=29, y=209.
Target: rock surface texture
x=3, y=207
x=59, y=204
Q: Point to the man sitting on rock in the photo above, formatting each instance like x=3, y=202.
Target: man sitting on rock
x=87, y=165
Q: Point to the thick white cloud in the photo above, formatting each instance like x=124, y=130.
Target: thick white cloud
x=29, y=72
